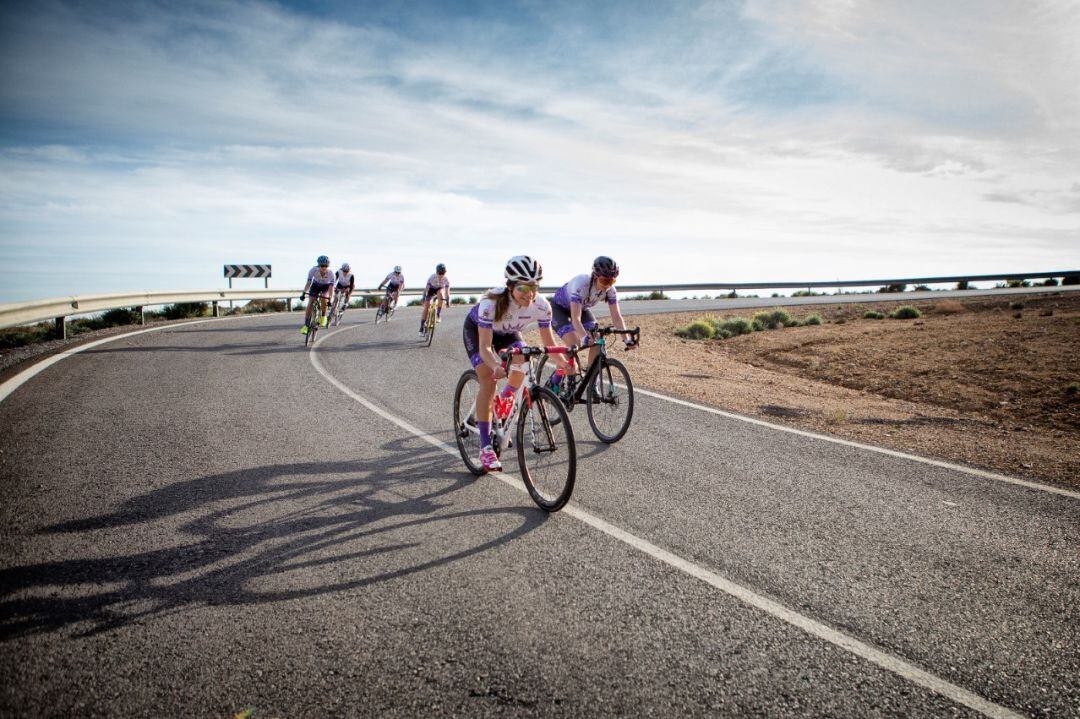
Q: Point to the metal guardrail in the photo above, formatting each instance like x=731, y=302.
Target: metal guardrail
x=60, y=308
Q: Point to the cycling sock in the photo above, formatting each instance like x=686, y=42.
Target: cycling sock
x=556, y=378
x=507, y=391
x=485, y=433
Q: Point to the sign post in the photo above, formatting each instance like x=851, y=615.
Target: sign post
x=248, y=271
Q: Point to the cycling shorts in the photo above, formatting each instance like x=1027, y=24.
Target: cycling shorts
x=470, y=333
x=392, y=287
x=319, y=289
x=431, y=292
x=560, y=320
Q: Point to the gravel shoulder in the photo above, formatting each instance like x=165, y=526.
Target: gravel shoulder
x=978, y=381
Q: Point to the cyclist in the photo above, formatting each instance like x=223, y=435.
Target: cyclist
x=320, y=284
x=495, y=324
x=570, y=307
x=437, y=285
x=394, y=282
x=346, y=283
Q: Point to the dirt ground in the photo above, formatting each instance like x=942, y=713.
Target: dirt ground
x=977, y=381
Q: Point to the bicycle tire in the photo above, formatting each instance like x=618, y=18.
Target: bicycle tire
x=610, y=395
x=429, y=328
x=467, y=446
x=537, y=433
x=544, y=371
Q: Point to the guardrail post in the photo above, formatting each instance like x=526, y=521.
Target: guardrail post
x=216, y=308
x=142, y=315
x=61, y=327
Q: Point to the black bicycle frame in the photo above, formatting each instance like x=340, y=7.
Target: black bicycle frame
x=586, y=380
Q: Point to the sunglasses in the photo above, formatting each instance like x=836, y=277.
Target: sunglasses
x=524, y=287
x=608, y=280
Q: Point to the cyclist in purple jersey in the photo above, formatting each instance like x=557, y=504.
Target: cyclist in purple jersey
x=394, y=282
x=570, y=306
x=320, y=285
x=437, y=285
x=495, y=324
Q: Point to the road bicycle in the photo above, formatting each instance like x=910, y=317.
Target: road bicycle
x=546, y=450
x=432, y=320
x=604, y=387
x=386, y=307
x=315, y=323
x=338, y=311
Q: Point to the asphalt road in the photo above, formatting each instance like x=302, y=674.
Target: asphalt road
x=210, y=518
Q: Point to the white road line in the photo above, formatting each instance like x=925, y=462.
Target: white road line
x=27, y=374
x=886, y=661
x=868, y=447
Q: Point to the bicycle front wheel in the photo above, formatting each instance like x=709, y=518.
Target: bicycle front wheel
x=610, y=402
x=465, y=430
x=429, y=328
x=547, y=453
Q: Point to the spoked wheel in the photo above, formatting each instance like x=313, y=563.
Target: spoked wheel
x=610, y=401
x=547, y=453
x=380, y=313
x=465, y=430
x=544, y=372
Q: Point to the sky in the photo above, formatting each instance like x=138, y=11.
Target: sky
x=143, y=145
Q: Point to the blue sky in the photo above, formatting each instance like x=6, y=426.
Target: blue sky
x=144, y=145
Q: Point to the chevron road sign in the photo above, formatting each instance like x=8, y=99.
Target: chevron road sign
x=255, y=271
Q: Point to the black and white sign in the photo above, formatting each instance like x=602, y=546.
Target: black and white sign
x=256, y=271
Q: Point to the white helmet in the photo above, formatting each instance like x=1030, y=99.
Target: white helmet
x=397, y=268
x=522, y=268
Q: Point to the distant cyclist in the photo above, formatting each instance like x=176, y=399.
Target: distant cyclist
x=346, y=283
x=436, y=285
x=320, y=284
x=394, y=282
x=495, y=324
x=570, y=305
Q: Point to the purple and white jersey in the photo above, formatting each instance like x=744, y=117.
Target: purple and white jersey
x=437, y=283
x=316, y=275
x=395, y=278
x=581, y=291
x=516, y=318
x=344, y=279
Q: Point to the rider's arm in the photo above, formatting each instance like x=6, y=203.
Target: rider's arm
x=484, y=335
x=575, y=319
x=616, y=317
x=550, y=340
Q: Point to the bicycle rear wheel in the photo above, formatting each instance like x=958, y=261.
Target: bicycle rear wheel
x=547, y=453
x=465, y=431
x=610, y=401
x=544, y=372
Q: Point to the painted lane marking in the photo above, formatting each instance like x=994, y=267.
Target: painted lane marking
x=884, y=660
x=868, y=447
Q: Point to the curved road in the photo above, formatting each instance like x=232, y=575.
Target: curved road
x=209, y=518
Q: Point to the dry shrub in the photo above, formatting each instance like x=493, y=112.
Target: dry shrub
x=949, y=307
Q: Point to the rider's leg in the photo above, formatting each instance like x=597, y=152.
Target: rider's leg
x=423, y=314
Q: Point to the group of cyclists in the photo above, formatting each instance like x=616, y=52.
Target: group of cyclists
x=323, y=287
x=496, y=322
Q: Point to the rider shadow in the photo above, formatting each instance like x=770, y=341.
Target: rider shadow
x=261, y=535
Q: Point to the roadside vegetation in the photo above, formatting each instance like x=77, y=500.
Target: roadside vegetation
x=719, y=328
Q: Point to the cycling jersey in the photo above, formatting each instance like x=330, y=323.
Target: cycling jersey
x=345, y=280
x=315, y=274
x=516, y=318
x=583, y=291
x=395, y=279
x=436, y=285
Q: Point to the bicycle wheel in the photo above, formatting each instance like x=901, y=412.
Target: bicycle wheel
x=610, y=401
x=429, y=327
x=465, y=431
x=547, y=453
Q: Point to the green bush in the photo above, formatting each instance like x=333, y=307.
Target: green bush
x=962, y=285
x=813, y=320
x=922, y=288
x=907, y=312
x=696, y=330
x=1070, y=280
x=873, y=315
x=1050, y=282
x=722, y=334
x=893, y=288
x=20, y=336
x=1019, y=283
x=458, y=301
x=258, y=307
x=773, y=319
x=735, y=326
x=805, y=293
x=1016, y=305
x=1072, y=389
x=184, y=310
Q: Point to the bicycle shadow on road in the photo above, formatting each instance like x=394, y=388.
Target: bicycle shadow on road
x=257, y=536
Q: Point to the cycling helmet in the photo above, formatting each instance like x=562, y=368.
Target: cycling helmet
x=323, y=261
x=522, y=268
x=397, y=268
x=345, y=267
x=605, y=267
x=440, y=268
